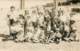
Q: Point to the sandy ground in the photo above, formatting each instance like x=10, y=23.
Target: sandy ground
x=63, y=46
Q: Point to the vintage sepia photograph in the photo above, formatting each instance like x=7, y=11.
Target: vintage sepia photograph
x=39, y=25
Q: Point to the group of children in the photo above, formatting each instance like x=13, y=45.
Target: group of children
x=40, y=26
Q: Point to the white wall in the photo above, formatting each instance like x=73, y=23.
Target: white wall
x=30, y=3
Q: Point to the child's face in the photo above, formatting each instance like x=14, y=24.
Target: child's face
x=12, y=9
